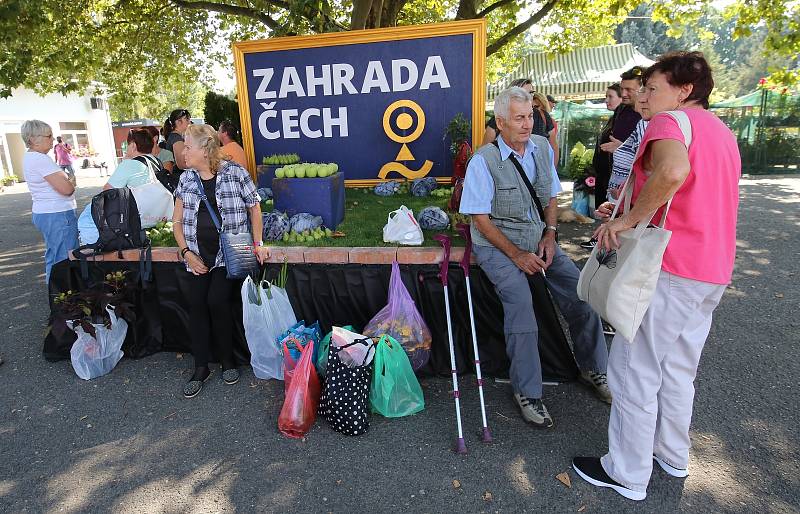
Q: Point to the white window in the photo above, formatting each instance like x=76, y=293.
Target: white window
x=76, y=135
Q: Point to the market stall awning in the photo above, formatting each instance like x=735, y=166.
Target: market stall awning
x=583, y=73
x=755, y=98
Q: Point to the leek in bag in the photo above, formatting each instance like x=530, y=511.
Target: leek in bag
x=266, y=312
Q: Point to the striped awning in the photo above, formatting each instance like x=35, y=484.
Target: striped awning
x=583, y=73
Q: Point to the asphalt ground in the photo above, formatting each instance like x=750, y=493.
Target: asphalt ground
x=129, y=441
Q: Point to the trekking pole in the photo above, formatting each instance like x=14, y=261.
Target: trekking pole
x=465, y=261
x=444, y=240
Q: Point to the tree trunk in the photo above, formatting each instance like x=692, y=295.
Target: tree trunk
x=391, y=8
x=361, y=9
x=467, y=10
x=375, y=14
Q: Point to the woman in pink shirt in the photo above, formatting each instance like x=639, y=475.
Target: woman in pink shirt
x=652, y=377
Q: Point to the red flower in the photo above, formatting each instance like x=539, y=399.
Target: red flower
x=589, y=181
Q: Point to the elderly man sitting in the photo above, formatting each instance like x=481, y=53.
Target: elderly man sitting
x=515, y=236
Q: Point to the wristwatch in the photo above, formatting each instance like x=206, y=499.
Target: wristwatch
x=552, y=227
x=258, y=243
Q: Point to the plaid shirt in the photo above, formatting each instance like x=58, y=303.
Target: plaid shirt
x=235, y=193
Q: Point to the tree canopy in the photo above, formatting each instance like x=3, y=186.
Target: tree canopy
x=149, y=53
x=739, y=64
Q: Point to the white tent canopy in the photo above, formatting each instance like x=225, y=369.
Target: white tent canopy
x=583, y=73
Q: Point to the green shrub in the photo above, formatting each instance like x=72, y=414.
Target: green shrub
x=9, y=180
x=220, y=108
x=580, y=158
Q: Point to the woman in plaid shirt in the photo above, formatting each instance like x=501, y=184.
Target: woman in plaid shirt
x=233, y=197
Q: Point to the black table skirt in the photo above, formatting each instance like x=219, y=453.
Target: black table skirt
x=346, y=294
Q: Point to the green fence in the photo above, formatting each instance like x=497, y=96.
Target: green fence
x=766, y=124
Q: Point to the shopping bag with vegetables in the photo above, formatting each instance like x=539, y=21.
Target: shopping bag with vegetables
x=266, y=312
x=401, y=320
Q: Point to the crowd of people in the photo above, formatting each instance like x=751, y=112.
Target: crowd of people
x=189, y=156
x=510, y=193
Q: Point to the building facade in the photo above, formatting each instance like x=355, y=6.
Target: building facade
x=81, y=120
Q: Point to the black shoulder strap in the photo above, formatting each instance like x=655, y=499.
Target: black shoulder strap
x=150, y=161
x=528, y=184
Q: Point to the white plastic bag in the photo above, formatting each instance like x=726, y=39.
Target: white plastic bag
x=267, y=313
x=155, y=203
x=402, y=227
x=356, y=355
x=94, y=357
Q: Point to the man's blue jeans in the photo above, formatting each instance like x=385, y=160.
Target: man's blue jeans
x=68, y=169
x=60, y=231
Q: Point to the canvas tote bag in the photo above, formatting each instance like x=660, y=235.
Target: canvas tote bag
x=619, y=284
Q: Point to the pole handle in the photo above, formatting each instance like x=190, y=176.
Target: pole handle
x=444, y=240
x=463, y=229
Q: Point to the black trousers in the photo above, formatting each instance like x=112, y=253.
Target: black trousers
x=209, y=297
x=601, y=188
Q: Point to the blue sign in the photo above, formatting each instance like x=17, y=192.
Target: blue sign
x=375, y=102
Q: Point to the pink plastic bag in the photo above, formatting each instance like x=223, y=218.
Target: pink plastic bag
x=401, y=320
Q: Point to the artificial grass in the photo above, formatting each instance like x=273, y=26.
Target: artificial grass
x=365, y=214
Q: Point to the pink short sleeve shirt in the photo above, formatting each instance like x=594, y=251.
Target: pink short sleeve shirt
x=703, y=213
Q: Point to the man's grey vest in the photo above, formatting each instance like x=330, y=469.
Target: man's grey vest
x=512, y=202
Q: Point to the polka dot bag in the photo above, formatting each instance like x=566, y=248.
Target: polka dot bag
x=345, y=397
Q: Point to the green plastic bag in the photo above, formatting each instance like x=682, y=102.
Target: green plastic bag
x=325, y=345
x=394, y=391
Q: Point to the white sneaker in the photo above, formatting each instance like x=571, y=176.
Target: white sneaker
x=670, y=470
x=598, y=382
x=534, y=411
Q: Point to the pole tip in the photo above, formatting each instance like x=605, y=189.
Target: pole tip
x=461, y=446
x=487, y=435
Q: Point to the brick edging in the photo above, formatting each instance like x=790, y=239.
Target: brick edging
x=316, y=255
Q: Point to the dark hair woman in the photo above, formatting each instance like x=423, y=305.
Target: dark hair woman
x=689, y=165
x=235, y=203
x=613, y=96
x=174, y=128
x=131, y=172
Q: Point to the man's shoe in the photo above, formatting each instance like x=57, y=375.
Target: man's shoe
x=590, y=469
x=670, y=470
x=534, y=411
x=590, y=244
x=597, y=382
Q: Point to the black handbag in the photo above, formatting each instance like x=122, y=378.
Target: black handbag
x=237, y=249
x=344, y=402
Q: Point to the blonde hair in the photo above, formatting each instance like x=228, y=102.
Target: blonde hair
x=542, y=100
x=206, y=137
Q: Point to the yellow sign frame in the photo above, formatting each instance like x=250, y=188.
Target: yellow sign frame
x=476, y=28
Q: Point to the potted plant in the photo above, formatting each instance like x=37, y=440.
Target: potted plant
x=98, y=317
x=459, y=131
x=583, y=175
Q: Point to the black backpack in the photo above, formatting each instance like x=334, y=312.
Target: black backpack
x=116, y=217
